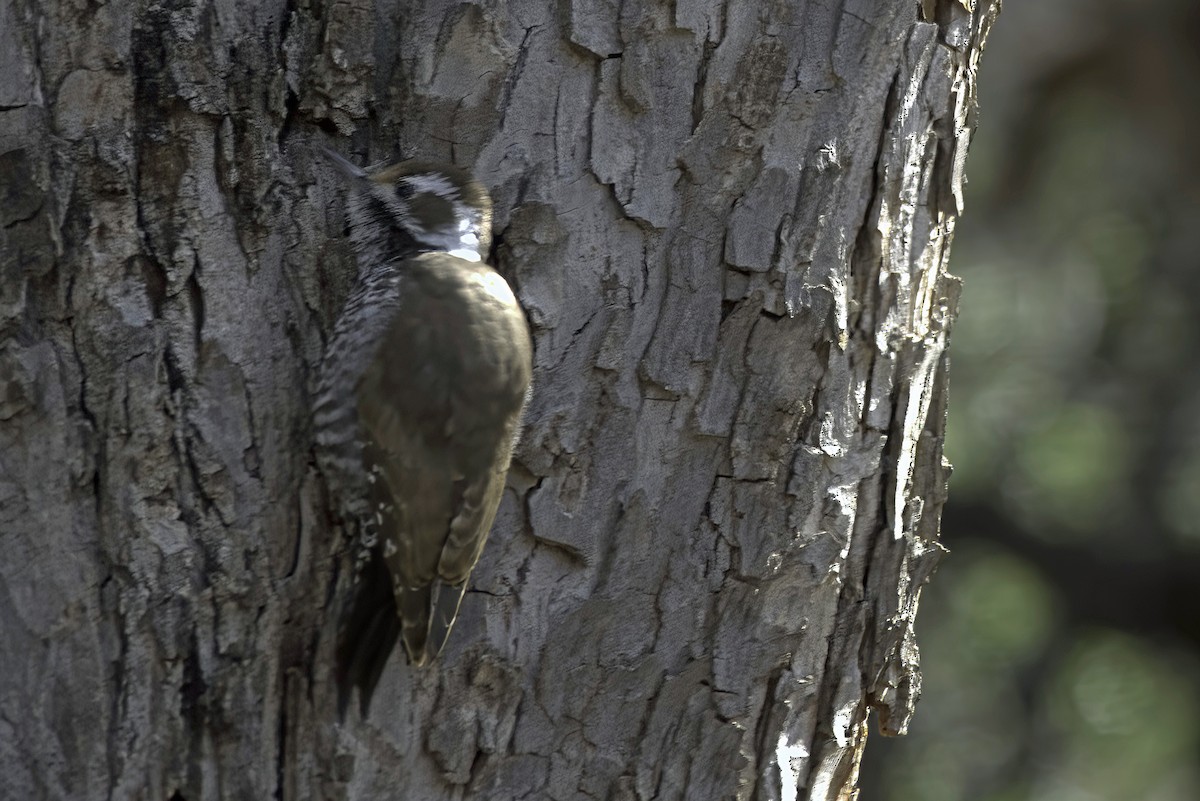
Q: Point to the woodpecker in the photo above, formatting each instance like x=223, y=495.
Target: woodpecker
x=418, y=407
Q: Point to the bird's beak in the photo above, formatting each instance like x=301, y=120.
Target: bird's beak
x=345, y=167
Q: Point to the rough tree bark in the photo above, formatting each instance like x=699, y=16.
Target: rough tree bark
x=729, y=225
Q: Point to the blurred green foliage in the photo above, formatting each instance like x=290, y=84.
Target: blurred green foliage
x=1061, y=638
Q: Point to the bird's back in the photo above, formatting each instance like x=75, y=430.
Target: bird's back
x=419, y=402
x=439, y=405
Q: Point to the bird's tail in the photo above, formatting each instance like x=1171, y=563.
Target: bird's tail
x=366, y=635
x=428, y=614
x=446, y=600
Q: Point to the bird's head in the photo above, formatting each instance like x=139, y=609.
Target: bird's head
x=414, y=207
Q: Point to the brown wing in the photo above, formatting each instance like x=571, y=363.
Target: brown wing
x=439, y=407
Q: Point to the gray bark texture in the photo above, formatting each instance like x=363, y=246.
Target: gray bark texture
x=729, y=225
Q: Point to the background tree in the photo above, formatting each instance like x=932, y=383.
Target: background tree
x=729, y=227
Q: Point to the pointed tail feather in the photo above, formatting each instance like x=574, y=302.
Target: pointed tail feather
x=414, y=606
x=371, y=626
x=428, y=614
x=446, y=600
x=367, y=634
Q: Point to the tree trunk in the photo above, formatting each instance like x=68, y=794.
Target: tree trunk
x=729, y=226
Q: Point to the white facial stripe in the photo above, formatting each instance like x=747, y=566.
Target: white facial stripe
x=434, y=184
x=461, y=238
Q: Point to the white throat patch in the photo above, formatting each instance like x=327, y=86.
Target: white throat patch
x=468, y=241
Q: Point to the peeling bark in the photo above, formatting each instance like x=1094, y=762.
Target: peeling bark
x=729, y=225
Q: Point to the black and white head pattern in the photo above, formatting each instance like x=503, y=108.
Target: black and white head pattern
x=437, y=215
x=416, y=206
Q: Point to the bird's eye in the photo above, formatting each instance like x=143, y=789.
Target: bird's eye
x=404, y=190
